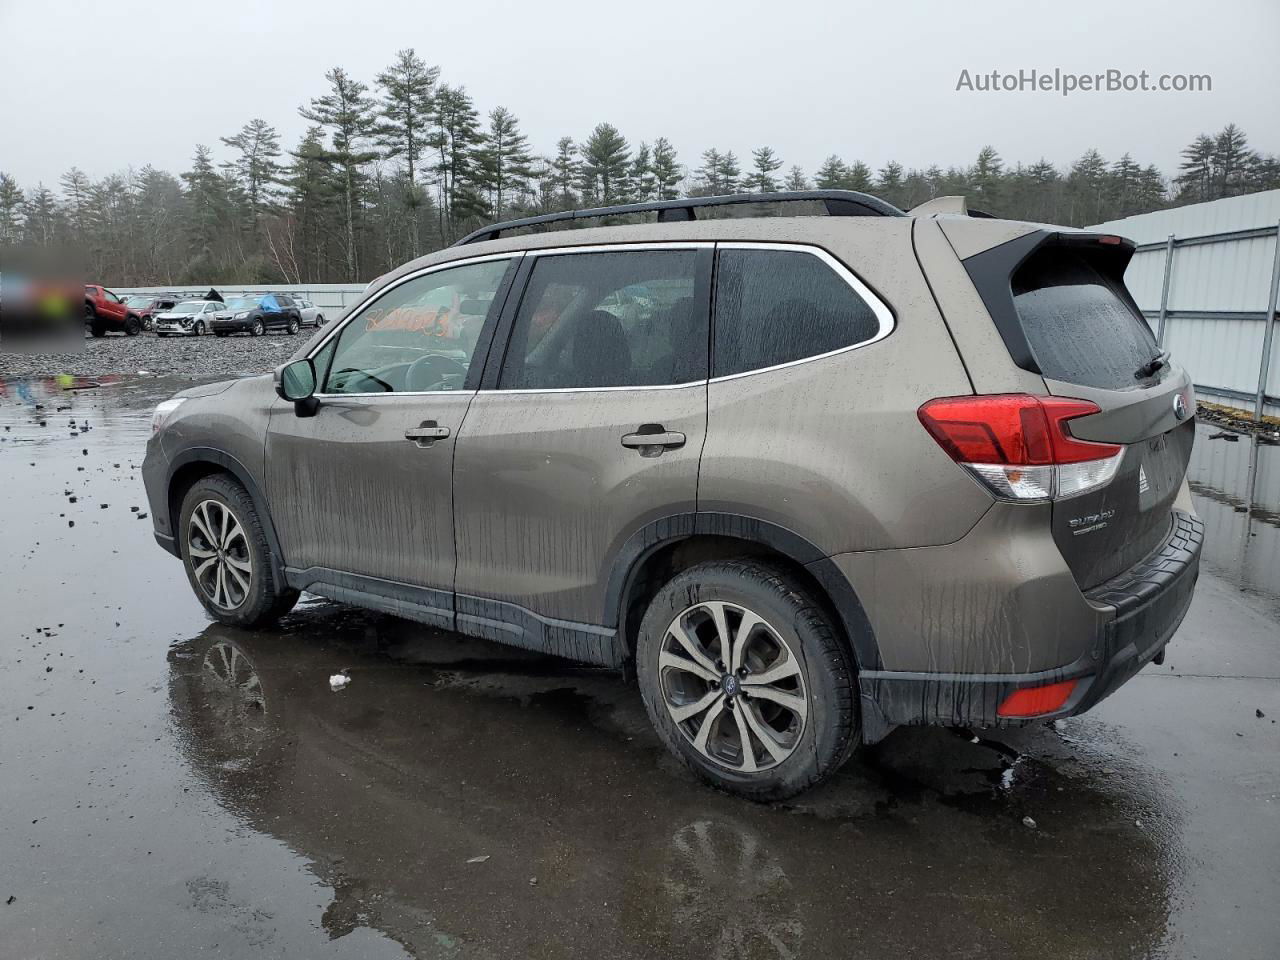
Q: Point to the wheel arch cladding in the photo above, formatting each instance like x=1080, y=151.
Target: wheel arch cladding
x=192, y=465
x=649, y=552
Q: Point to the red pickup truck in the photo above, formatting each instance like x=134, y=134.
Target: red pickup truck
x=104, y=311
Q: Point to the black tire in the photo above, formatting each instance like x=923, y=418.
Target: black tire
x=826, y=670
x=319, y=319
x=199, y=328
x=293, y=327
x=132, y=326
x=258, y=328
x=265, y=600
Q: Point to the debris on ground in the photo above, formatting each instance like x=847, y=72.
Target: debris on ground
x=1028, y=823
x=339, y=681
x=1259, y=714
x=480, y=859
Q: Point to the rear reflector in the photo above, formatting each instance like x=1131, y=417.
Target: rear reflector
x=1036, y=701
x=1019, y=447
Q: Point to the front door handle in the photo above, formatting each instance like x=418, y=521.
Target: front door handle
x=426, y=434
x=652, y=438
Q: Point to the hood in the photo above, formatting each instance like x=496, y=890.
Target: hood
x=206, y=389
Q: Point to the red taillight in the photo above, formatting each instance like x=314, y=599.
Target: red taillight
x=1036, y=701
x=996, y=435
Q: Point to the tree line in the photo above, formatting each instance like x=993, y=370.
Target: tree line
x=387, y=172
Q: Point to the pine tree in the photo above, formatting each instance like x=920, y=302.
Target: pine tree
x=857, y=177
x=40, y=216
x=666, y=169
x=1232, y=159
x=565, y=172
x=710, y=175
x=347, y=112
x=730, y=173
x=640, y=178
x=11, y=202
x=457, y=142
x=1086, y=189
x=796, y=180
x=985, y=179
x=765, y=164
x=1196, y=174
x=832, y=174
x=890, y=185
x=504, y=160
x=404, y=124
x=75, y=195
x=605, y=158
x=256, y=169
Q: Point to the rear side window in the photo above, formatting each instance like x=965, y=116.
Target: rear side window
x=778, y=306
x=1080, y=323
x=610, y=319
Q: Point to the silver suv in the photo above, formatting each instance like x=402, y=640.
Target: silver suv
x=806, y=478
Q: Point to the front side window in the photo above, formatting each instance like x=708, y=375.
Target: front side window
x=609, y=319
x=779, y=306
x=419, y=336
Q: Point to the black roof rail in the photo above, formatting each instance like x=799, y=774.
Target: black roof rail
x=839, y=203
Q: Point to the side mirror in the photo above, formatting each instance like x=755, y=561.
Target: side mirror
x=296, y=382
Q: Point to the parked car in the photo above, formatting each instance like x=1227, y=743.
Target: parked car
x=146, y=306
x=825, y=477
x=310, y=313
x=189, y=318
x=105, y=312
x=257, y=314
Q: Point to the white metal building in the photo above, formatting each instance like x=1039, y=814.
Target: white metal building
x=1221, y=272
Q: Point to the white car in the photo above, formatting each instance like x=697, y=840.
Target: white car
x=311, y=315
x=190, y=318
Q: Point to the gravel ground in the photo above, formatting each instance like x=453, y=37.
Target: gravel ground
x=202, y=357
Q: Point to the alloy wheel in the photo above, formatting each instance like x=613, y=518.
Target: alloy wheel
x=220, y=557
x=733, y=686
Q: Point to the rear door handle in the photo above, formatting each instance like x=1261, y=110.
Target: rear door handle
x=651, y=439
x=426, y=434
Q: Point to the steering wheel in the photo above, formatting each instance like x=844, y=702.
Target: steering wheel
x=430, y=370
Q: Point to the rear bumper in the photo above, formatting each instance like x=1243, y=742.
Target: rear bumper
x=1148, y=602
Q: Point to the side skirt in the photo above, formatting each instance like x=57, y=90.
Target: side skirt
x=501, y=622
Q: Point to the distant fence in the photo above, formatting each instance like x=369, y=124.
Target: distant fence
x=331, y=298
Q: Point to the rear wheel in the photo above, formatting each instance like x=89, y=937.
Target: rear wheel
x=746, y=680
x=293, y=327
x=227, y=557
x=319, y=319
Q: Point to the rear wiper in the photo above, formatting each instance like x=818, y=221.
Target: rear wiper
x=1158, y=362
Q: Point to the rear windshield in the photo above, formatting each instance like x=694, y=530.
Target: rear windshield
x=1081, y=324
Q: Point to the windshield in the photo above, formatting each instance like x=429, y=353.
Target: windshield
x=189, y=306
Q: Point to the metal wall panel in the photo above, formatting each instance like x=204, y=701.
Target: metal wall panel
x=1230, y=275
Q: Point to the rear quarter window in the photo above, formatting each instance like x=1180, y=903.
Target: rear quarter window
x=778, y=306
x=1080, y=322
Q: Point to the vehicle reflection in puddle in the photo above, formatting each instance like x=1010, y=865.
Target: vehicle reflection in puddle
x=1235, y=482
x=444, y=749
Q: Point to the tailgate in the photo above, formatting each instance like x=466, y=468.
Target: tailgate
x=1060, y=303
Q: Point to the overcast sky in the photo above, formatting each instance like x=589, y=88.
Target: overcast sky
x=109, y=84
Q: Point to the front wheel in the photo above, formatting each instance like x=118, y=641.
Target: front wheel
x=227, y=556
x=257, y=329
x=199, y=328
x=132, y=326
x=746, y=679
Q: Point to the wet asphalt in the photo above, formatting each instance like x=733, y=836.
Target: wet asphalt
x=174, y=788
